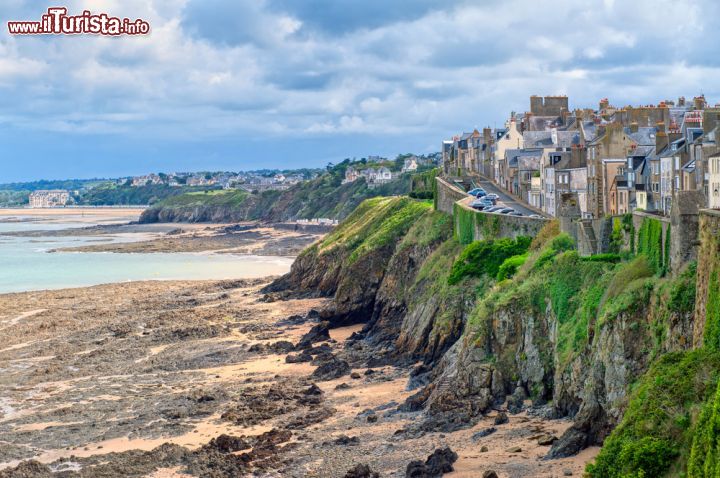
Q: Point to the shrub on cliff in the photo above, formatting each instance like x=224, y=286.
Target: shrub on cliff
x=704, y=461
x=486, y=257
x=655, y=434
x=510, y=266
x=683, y=290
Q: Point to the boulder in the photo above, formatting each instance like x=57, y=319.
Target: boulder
x=361, y=471
x=501, y=418
x=332, y=369
x=319, y=333
x=437, y=464
x=483, y=433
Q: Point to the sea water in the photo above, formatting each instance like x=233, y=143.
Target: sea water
x=26, y=264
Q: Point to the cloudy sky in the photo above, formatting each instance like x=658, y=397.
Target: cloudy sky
x=243, y=84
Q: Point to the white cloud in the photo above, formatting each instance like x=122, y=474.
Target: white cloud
x=429, y=75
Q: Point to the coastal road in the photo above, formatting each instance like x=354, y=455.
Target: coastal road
x=505, y=198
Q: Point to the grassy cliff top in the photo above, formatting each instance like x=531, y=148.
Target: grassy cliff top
x=375, y=223
x=206, y=198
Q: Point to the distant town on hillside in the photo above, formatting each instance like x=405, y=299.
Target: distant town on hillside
x=152, y=187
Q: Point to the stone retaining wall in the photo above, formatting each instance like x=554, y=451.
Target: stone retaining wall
x=447, y=195
x=472, y=225
x=708, y=270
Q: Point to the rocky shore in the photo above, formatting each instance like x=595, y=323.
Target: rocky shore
x=219, y=379
x=244, y=238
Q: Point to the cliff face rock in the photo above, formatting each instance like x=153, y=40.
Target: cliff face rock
x=191, y=214
x=523, y=341
x=351, y=263
x=324, y=196
x=570, y=334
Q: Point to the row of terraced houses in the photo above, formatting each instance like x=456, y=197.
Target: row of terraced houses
x=616, y=159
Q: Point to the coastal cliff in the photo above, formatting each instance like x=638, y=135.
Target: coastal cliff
x=606, y=340
x=323, y=197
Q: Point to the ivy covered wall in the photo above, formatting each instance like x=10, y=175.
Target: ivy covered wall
x=472, y=225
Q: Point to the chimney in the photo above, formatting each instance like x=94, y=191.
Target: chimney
x=634, y=127
x=487, y=135
x=604, y=103
x=601, y=130
x=699, y=102
x=578, y=155
x=661, y=138
x=681, y=101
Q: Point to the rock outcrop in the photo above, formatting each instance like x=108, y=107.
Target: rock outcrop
x=565, y=337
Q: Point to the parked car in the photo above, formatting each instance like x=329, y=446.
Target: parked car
x=515, y=213
x=506, y=210
x=490, y=200
x=479, y=204
x=477, y=192
x=493, y=196
x=494, y=208
x=535, y=216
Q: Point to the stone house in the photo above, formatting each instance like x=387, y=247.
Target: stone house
x=714, y=181
x=49, y=198
x=410, y=165
x=511, y=139
x=564, y=172
x=351, y=175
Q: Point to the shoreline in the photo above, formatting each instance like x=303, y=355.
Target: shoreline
x=144, y=378
x=193, y=251
x=73, y=211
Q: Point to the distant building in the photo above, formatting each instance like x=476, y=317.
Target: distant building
x=200, y=180
x=351, y=175
x=714, y=181
x=49, y=198
x=410, y=165
x=145, y=180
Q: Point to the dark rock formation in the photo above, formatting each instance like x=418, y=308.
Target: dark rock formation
x=319, y=333
x=437, y=464
x=299, y=358
x=228, y=444
x=501, y=418
x=483, y=433
x=362, y=471
x=331, y=369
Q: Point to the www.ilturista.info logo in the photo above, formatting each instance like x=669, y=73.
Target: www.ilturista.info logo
x=58, y=22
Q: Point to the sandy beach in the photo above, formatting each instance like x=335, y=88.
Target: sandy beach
x=92, y=213
x=141, y=379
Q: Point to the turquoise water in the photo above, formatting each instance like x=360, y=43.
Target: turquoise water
x=26, y=265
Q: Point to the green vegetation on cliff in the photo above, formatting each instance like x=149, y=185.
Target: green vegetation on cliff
x=650, y=244
x=208, y=198
x=375, y=223
x=584, y=293
x=467, y=221
x=322, y=197
x=111, y=194
x=424, y=186
x=655, y=435
x=704, y=460
x=486, y=257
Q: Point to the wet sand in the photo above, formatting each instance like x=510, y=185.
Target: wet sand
x=88, y=375
x=91, y=214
